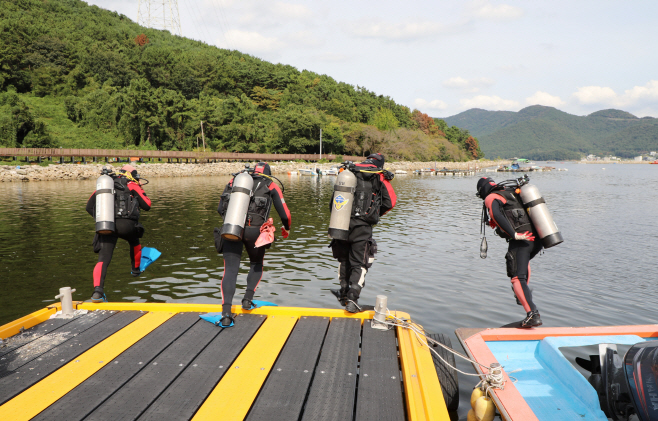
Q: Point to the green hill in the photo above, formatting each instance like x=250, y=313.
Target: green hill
x=540, y=132
x=74, y=75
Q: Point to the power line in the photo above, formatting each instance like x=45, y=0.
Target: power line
x=159, y=14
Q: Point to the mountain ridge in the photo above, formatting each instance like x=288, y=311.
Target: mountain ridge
x=542, y=132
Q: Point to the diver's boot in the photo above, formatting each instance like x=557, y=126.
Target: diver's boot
x=98, y=296
x=532, y=319
x=135, y=272
x=247, y=304
x=352, y=301
x=226, y=321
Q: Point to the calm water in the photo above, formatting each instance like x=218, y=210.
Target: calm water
x=428, y=264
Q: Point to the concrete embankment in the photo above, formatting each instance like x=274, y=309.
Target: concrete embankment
x=147, y=170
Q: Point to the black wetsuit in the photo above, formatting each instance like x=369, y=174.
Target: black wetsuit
x=519, y=252
x=128, y=229
x=356, y=254
x=232, y=250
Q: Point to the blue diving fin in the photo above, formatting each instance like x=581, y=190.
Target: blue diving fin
x=259, y=303
x=215, y=318
x=149, y=255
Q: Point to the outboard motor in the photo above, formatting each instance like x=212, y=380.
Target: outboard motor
x=238, y=205
x=105, y=204
x=341, y=205
x=540, y=216
x=626, y=386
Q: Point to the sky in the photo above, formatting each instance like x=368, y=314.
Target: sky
x=444, y=57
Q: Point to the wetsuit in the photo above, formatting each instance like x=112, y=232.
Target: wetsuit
x=356, y=254
x=266, y=192
x=127, y=228
x=519, y=252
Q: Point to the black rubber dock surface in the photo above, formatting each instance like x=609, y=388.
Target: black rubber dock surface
x=166, y=366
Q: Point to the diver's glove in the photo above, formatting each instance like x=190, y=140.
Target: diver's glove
x=284, y=233
x=528, y=236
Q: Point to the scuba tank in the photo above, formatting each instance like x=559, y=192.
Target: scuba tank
x=540, y=216
x=341, y=205
x=105, y=204
x=238, y=205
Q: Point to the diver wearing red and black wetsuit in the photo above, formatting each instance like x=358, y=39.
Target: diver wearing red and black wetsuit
x=374, y=197
x=265, y=194
x=511, y=221
x=126, y=224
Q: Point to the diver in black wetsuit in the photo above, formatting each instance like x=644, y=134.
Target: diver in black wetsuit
x=511, y=221
x=130, y=192
x=265, y=193
x=356, y=254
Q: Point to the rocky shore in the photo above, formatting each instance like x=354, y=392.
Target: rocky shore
x=154, y=170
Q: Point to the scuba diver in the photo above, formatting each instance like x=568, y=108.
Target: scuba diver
x=362, y=194
x=245, y=209
x=129, y=197
x=508, y=205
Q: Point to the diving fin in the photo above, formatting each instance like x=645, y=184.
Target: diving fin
x=149, y=255
x=259, y=303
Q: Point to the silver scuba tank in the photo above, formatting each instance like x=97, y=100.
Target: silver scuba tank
x=540, y=216
x=238, y=206
x=341, y=205
x=105, y=205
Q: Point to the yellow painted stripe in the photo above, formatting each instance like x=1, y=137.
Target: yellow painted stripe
x=43, y=394
x=209, y=308
x=422, y=388
x=236, y=392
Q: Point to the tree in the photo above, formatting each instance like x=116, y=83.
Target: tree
x=385, y=120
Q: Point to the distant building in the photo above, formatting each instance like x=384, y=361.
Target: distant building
x=652, y=153
x=638, y=158
x=592, y=157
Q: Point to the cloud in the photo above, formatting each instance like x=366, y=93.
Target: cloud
x=637, y=96
x=435, y=104
x=408, y=31
x=468, y=85
x=252, y=42
x=304, y=39
x=544, y=98
x=291, y=11
x=485, y=10
x=489, y=103
x=333, y=57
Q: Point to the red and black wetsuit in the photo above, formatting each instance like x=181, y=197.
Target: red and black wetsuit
x=265, y=194
x=508, y=217
x=127, y=228
x=374, y=197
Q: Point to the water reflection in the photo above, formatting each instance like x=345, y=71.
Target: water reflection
x=428, y=262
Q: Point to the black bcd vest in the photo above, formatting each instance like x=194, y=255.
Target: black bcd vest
x=367, y=197
x=515, y=213
x=125, y=205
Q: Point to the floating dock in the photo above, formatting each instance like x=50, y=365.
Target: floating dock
x=160, y=361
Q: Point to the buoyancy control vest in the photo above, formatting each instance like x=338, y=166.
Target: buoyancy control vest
x=367, y=195
x=260, y=204
x=513, y=210
x=125, y=205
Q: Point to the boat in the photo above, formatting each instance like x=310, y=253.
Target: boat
x=400, y=172
x=654, y=162
x=125, y=360
x=331, y=171
x=307, y=171
x=540, y=383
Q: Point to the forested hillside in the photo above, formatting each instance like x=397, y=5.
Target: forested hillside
x=74, y=75
x=540, y=132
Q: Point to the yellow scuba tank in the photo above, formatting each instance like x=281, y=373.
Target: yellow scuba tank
x=238, y=205
x=341, y=205
x=105, y=204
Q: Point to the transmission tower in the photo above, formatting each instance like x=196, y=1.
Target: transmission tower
x=159, y=14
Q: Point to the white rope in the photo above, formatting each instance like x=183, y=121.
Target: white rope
x=493, y=379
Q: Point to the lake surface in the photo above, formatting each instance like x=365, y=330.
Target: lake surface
x=428, y=262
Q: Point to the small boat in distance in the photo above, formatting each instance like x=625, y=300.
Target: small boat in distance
x=307, y=171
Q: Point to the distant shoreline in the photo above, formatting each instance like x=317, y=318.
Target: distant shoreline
x=56, y=172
